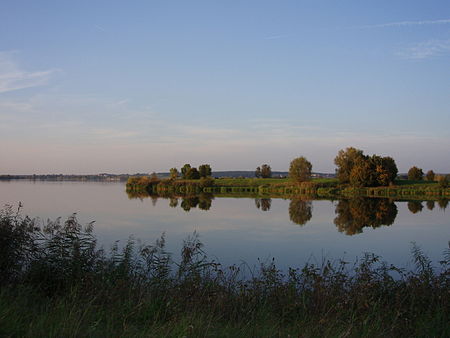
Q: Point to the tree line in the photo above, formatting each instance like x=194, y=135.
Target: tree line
x=357, y=169
x=353, y=168
x=191, y=173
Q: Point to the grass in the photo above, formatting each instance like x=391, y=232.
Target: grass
x=252, y=182
x=322, y=188
x=55, y=281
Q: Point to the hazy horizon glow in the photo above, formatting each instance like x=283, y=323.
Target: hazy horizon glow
x=150, y=85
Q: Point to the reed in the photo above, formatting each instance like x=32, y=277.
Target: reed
x=55, y=282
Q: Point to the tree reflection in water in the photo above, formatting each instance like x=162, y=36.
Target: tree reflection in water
x=205, y=201
x=173, y=202
x=202, y=201
x=415, y=206
x=132, y=194
x=189, y=202
x=353, y=214
x=263, y=203
x=300, y=211
x=356, y=213
x=443, y=203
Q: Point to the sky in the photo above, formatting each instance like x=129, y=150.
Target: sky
x=143, y=86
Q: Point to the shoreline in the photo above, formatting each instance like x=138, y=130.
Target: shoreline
x=284, y=188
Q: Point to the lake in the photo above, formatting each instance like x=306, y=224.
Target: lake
x=236, y=230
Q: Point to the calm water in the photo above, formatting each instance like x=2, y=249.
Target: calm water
x=242, y=229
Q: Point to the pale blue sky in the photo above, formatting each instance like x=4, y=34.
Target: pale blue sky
x=140, y=86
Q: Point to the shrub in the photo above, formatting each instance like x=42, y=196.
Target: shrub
x=430, y=175
x=300, y=169
x=415, y=174
x=443, y=181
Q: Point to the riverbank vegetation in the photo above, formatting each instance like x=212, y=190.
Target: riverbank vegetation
x=357, y=174
x=56, y=282
x=400, y=189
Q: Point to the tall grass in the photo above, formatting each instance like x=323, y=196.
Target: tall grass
x=55, y=281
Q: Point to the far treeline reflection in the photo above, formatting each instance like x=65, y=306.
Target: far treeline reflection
x=352, y=214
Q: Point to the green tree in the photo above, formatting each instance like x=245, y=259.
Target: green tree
x=363, y=173
x=258, y=172
x=300, y=169
x=266, y=171
x=184, y=170
x=204, y=170
x=192, y=174
x=344, y=161
x=386, y=169
x=415, y=174
x=430, y=175
x=173, y=173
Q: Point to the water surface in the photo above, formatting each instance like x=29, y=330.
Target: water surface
x=238, y=230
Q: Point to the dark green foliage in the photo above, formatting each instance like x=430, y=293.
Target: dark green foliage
x=263, y=203
x=192, y=174
x=443, y=203
x=17, y=243
x=189, y=202
x=300, y=170
x=415, y=206
x=365, y=171
x=430, y=175
x=356, y=213
x=173, y=173
x=184, y=170
x=415, y=174
x=258, y=172
x=204, y=170
x=385, y=168
x=205, y=201
x=266, y=171
x=63, y=285
x=345, y=161
x=189, y=173
x=173, y=202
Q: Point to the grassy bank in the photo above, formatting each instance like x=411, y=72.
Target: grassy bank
x=284, y=187
x=55, y=281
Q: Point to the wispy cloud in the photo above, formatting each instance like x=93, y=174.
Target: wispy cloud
x=408, y=23
x=121, y=102
x=425, y=50
x=275, y=37
x=100, y=28
x=15, y=107
x=12, y=77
